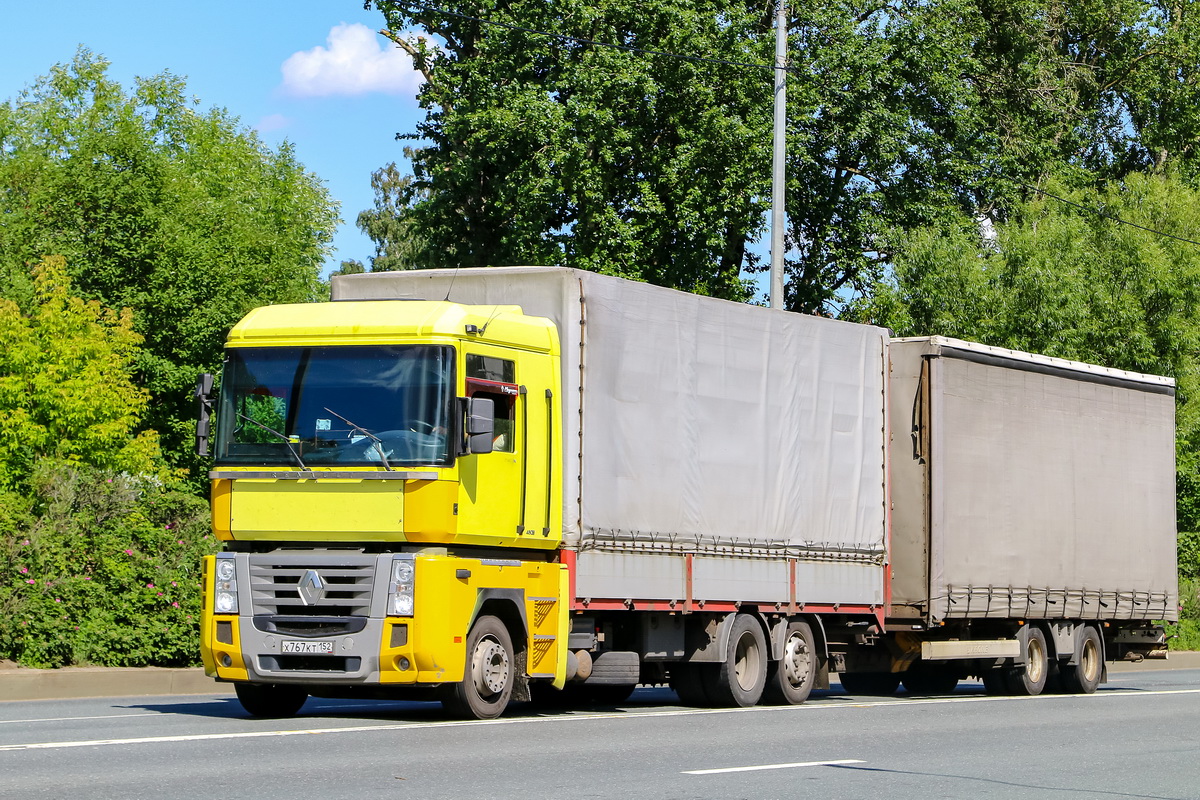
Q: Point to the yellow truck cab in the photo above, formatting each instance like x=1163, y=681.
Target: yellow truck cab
x=385, y=484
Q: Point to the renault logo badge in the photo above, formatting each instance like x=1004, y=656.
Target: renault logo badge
x=311, y=588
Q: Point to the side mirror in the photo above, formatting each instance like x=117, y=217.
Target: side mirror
x=481, y=423
x=203, y=395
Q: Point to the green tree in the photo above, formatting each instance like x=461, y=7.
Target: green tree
x=66, y=392
x=181, y=215
x=398, y=245
x=902, y=115
x=541, y=150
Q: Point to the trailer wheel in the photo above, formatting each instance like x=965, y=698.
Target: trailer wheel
x=995, y=681
x=487, y=682
x=926, y=679
x=791, y=678
x=688, y=681
x=739, y=680
x=271, y=700
x=1031, y=678
x=871, y=683
x=1084, y=676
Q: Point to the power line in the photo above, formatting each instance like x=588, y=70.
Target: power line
x=595, y=43
x=1107, y=216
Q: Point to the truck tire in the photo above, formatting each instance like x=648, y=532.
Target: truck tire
x=1084, y=676
x=923, y=678
x=488, y=678
x=739, y=680
x=790, y=679
x=270, y=700
x=1030, y=679
x=995, y=681
x=870, y=683
x=689, y=681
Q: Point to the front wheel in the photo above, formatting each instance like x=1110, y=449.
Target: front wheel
x=487, y=682
x=270, y=700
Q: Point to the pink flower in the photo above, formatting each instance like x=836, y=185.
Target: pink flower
x=128, y=552
x=58, y=599
x=149, y=585
x=176, y=605
x=31, y=580
x=25, y=570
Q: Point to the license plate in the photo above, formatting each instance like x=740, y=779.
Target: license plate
x=322, y=646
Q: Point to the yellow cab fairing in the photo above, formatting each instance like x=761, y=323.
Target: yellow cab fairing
x=444, y=510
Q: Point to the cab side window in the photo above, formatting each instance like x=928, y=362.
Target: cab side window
x=495, y=379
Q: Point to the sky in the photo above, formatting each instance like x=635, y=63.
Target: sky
x=312, y=72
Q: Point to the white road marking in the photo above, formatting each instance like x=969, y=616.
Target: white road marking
x=72, y=719
x=584, y=717
x=774, y=766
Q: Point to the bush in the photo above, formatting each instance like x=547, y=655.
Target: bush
x=100, y=568
x=1185, y=635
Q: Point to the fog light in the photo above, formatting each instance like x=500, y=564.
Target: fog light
x=226, y=661
x=402, y=664
x=225, y=603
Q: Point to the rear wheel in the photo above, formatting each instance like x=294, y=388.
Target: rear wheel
x=1031, y=678
x=1084, y=676
x=994, y=681
x=688, y=681
x=739, y=680
x=272, y=700
x=487, y=682
x=791, y=678
x=870, y=683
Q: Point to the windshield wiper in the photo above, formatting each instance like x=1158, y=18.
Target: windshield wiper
x=378, y=442
x=282, y=438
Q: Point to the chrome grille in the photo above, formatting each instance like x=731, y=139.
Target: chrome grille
x=311, y=584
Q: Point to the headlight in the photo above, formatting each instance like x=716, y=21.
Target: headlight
x=400, y=590
x=403, y=571
x=225, y=600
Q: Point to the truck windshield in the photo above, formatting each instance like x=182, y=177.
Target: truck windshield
x=383, y=406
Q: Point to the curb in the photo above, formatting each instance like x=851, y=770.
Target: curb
x=71, y=683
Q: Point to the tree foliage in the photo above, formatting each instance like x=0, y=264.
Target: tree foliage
x=540, y=150
x=66, y=392
x=181, y=215
x=1063, y=279
x=902, y=114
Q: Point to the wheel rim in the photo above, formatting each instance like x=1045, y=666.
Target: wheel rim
x=1035, y=660
x=797, y=661
x=1089, y=660
x=489, y=666
x=747, y=662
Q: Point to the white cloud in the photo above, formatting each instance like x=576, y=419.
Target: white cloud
x=357, y=61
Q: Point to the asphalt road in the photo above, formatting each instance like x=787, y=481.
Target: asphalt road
x=1135, y=738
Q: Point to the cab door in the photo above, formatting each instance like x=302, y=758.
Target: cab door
x=493, y=483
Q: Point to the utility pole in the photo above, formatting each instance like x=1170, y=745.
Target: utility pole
x=779, y=142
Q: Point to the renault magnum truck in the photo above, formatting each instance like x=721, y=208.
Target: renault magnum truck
x=483, y=486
